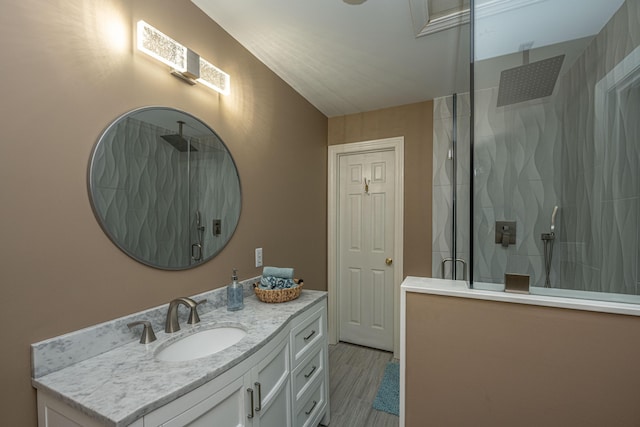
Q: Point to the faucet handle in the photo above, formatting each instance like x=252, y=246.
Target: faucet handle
x=193, y=315
x=147, y=332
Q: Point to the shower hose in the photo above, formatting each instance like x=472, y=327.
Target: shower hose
x=548, y=255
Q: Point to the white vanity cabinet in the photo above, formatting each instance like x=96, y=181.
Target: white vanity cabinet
x=254, y=393
x=223, y=407
x=287, y=385
x=269, y=389
x=54, y=413
x=283, y=384
x=310, y=376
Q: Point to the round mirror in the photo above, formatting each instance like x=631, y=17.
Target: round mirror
x=164, y=188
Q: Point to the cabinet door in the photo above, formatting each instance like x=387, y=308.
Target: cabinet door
x=271, y=385
x=224, y=408
x=278, y=413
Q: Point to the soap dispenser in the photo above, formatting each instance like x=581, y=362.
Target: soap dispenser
x=235, y=300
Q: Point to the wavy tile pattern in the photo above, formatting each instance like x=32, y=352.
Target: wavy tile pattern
x=534, y=155
x=142, y=188
x=214, y=192
x=145, y=187
x=504, y=173
x=600, y=186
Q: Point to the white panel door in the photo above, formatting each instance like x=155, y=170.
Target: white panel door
x=365, y=250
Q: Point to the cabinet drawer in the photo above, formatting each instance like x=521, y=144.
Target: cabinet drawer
x=307, y=372
x=307, y=412
x=309, y=333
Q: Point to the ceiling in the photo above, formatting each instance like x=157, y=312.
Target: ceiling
x=351, y=56
x=346, y=58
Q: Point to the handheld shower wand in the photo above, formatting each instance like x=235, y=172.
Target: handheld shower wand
x=196, y=248
x=547, y=240
x=553, y=220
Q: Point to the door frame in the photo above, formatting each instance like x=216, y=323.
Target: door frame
x=395, y=144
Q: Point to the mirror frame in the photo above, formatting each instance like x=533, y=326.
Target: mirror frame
x=92, y=187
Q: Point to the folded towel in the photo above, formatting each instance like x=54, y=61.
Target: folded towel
x=283, y=273
x=270, y=282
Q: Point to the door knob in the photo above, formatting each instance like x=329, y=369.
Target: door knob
x=388, y=261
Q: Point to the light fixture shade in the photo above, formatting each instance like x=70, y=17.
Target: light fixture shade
x=161, y=47
x=214, y=77
x=185, y=63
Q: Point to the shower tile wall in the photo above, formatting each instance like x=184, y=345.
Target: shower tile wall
x=600, y=194
x=534, y=155
x=514, y=182
x=516, y=159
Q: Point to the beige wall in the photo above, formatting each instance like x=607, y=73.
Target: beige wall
x=65, y=77
x=486, y=363
x=415, y=123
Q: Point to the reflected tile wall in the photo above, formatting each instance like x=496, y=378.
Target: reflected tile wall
x=140, y=169
x=147, y=187
x=215, y=192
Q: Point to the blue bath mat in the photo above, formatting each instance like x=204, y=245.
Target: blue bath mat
x=388, y=397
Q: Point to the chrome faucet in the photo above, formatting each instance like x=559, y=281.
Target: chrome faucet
x=172, y=324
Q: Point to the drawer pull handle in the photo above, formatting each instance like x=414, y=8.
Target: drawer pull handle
x=312, y=408
x=259, y=387
x=251, y=415
x=310, y=335
x=310, y=373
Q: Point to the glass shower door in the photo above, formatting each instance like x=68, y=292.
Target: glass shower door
x=451, y=171
x=547, y=133
x=451, y=187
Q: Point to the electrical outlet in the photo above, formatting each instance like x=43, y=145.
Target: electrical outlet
x=258, y=257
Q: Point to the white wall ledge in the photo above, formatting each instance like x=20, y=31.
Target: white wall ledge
x=459, y=288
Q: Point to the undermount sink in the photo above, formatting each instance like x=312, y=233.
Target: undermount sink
x=201, y=344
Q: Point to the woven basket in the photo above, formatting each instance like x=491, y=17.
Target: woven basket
x=278, y=295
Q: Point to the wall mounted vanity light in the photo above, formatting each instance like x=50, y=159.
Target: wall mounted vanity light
x=185, y=63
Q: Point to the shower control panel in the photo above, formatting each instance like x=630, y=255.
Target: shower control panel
x=506, y=233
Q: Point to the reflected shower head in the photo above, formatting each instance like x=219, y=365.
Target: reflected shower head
x=177, y=141
x=529, y=81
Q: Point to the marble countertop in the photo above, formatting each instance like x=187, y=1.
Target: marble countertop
x=459, y=288
x=123, y=384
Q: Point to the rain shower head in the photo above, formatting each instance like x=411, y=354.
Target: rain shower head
x=529, y=81
x=177, y=141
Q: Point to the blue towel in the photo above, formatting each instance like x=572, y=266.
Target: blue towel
x=283, y=273
x=270, y=282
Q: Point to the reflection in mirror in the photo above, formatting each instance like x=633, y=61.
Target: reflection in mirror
x=164, y=188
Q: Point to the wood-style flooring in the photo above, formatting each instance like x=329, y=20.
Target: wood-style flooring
x=354, y=377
